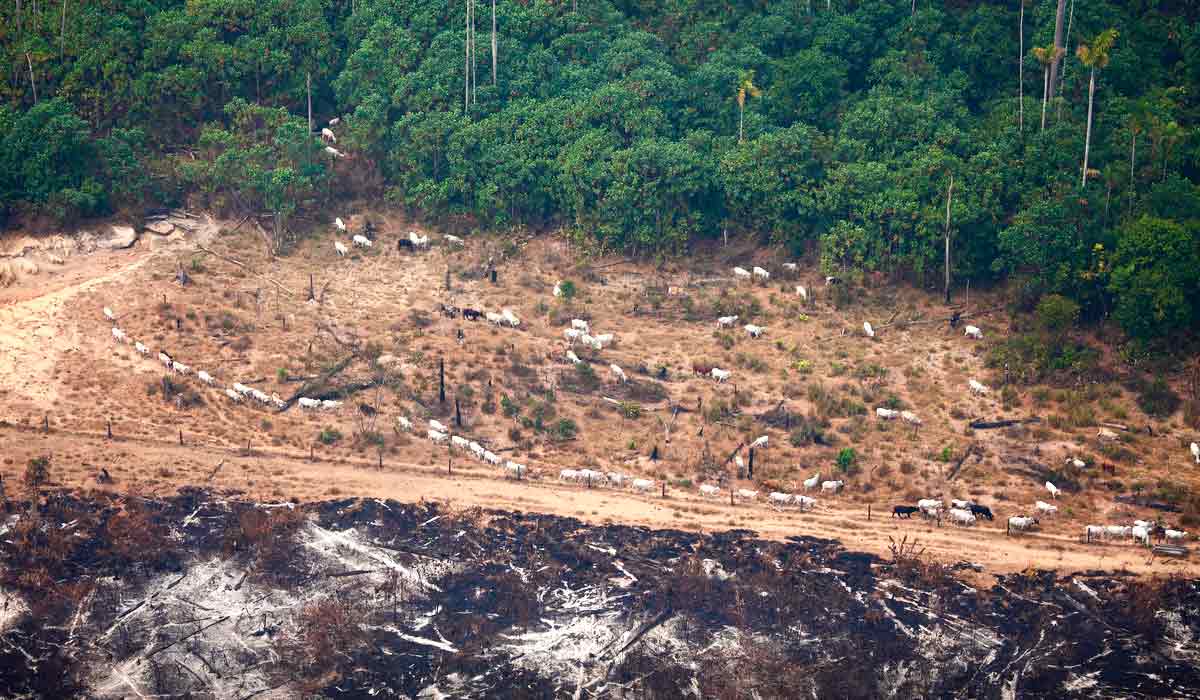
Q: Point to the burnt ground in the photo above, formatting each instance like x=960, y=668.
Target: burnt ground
x=203, y=595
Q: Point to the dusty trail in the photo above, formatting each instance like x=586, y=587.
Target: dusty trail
x=263, y=474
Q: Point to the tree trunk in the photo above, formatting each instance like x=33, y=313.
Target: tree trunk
x=62, y=32
x=949, y=192
x=467, y=58
x=1058, y=42
x=1087, y=140
x=493, y=43
x=32, y=83
x=1021, y=71
x=741, y=118
x=308, y=89
x=1062, y=78
x=1132, y=160
x=1045, y=93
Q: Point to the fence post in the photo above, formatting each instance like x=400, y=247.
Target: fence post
x=664, y=491
x=449, y=468
x=312, y=453
x=181, y=437
x=110, y=429
x=46, y=424
x=868, y=511
x=380, y=459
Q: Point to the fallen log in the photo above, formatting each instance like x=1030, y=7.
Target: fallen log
x=954, y=471
x=987, y=425
x=1147, y=503
x=245, y=267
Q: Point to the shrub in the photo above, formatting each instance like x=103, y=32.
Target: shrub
x=508, y=407
x=630, y=409
x=329, y=435
x=847, y=460
x=567, y=288
x=565, y=429
x=1056, y=315
x=1155, y=397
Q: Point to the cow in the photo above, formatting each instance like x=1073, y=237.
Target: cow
x=904, y=511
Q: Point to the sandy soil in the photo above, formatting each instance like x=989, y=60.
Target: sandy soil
x=250, y=323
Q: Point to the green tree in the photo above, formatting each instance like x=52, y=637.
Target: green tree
x=1094, y=57
x=1156, y=272
x=745, y=89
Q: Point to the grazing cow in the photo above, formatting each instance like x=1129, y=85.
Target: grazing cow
x=334, y=152
x=747, y=494
x=1115, y=532
x=1094, y=532
x=760, y=442
x=1045, y=509
x=805, y=502
x=802, y=292
x=327, y=135
x=448, y=311
x=701, y=370
x=643, y=485
x=811, y=482
x=904, y=511
x=830, y=279
x=341, y=225
x=741, y=273
x=720, y=374
x=868, y=330
x=1174, y=535
x=958, y=516
x=1021, y=523
x=754, y=331
x=726, y=321
x=832, y=486
x=977, y=388
x=1141, y=535
x=1196, y=452
x=341, y=249
x=471, y=314
x=709, y=490
x=1106, y=434
x=930, y=507
x=959, y=503
x=887, y=413
x=984, y=511
x=1054, y=490
x=1076, y=462
x=403, y=243
x=973, y=332
x=780, y=499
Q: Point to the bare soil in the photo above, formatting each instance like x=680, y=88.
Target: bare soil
x=251, y=323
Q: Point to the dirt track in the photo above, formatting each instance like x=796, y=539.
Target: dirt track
x=57, y=359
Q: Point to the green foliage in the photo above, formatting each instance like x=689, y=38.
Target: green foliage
x=565, y=429
x=847, y=460
x=567, y=289
x=1056, y=314
x=1155, y=277
x=1155, y=396
x=329, y=435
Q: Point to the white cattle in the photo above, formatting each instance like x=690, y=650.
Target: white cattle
x=811, y=482
x=165, y=359
x=739, y=463
x=643, y=485
x=780, y=499
x=830, y=279
x=791, y=267
x=179, y=367
x=741, y=273
x=1021, y=523
x=1141, y=535
x=279, y=403
x=709, y=490
x=603, y=340
x=760, y=442
x=118, y=335
x=832, y=486
x=1046, y=509
x=977, y=388
x=754, y=331
x=233, y=396
x=762, y=274
x=334, y=152
x=720, y=374
x=335, y=121
x=1175, y=535
x=579, y=325
x=591, y=476
x=1143, y=523
x=514, y=469
x=1076, y=462
x=327, y=135
x=1114, y=532
x=805, y=502
x=1196, y=452
x=493, y=318
x=304, y=401
x=436, y=436
x=911, y=418
x=261, y=396
x=1054, y=490
x=958, y=516
x=887, y=413
x=242, y=389
x=573, y=358
x=1106, y=434
x=930, y=507
x=437, y=425
x=205, y=377
x=456, y=241
x=959, y=503
x=726, y=321
x=491, y=458
x=618, y=373
x=418, y=240
x=404, y=423
x=459, y=442
x=142, y=349
x=361, y=241
x=616, y=479
x=973, y=332
x=568, y=475
x=341, y=248
x=802, y=292
x=747, y=494
x=108, y=313
x=510, y=318
x=330, y=405
x=868, y=330
x=572, y=334
x=341, y=225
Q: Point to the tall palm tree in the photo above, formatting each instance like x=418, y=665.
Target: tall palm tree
x=746, y=88
x=1093, y=57
x=1045, y=56
x=1059, y=16
x=1020, y=69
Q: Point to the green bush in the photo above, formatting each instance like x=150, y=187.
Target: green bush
x=329, y=435
x=847, y=460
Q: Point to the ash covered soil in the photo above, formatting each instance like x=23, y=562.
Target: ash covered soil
x=202, y=595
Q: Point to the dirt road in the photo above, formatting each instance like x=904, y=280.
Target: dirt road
x=157, y=468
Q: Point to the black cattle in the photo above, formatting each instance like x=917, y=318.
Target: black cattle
x=904, y=511
x=403, y=243
x=449, y=311
x=982, y=510
x=367, y=409
x=471, y=314
x=955, y=319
